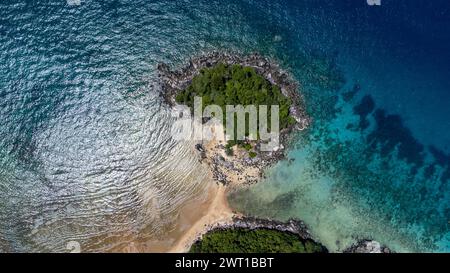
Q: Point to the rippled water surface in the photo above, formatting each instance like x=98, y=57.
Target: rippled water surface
x=85, y=150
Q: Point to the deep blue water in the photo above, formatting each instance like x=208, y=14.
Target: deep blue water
x=84, y=136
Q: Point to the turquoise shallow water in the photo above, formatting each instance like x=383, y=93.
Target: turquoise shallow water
x=86, y=153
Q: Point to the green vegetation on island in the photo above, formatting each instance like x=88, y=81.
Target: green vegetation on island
x=236, y=85
x=241, y=240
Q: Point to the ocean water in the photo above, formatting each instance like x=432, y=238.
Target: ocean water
x=86, y=152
